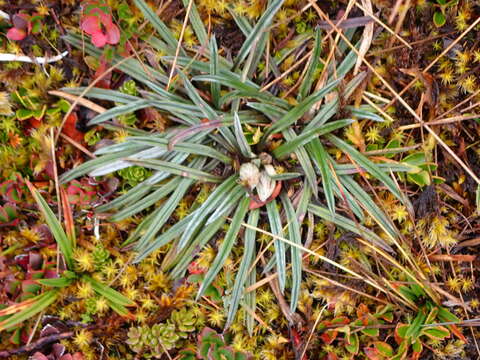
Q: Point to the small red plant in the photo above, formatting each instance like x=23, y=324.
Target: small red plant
x=24, y=25
x=97, y=22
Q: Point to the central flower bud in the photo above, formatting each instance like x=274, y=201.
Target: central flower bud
x=256, y=175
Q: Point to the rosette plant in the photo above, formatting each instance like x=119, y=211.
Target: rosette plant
x=269, y=181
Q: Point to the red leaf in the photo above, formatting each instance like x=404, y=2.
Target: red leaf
x=113, y=33
x=16, y=34
x=70, y=130
x=91, y=25
x=99, y=39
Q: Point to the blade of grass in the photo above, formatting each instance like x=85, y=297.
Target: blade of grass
x=179, y=170
x=264, y=22
x=322, y=161
x=280, y=256
x=227, y=245
x=240, y=137
x=200, y=215
x=350, y=225
x=298, y=111
x=214, y=87
x=309, y=78
x=107, y=292
x=371, y=167
x=307, y=136
x=158, y=24
x=33, y=306
x=64, y=243
x=295, y=253
x=242, y=274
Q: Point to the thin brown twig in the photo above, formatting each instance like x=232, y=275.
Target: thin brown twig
x=179, y=44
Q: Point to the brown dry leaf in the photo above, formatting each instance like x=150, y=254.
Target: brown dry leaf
x=458, y=258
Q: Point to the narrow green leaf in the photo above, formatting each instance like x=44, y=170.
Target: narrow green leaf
x=371, y=167
x=350, y=225
x=295, y=253
x=177, y=169
x=38, y=304
x=186, y=255
x=247, y=260
x=307, y=136
x=64, y=243
x=322, y=161
x=186, y=147
x=304, y=160
x=298, y=111
x=197, y=23
x=119, y=309
x=369, y=205
x=147, y=201
x=226, y=246
x=214, y=86
x=309, y=78
x=259, y=27
x=158, y=24
x=286, y=176
x=57, y=282
x=132, y=195
x=276, y=229
x=165, y=211
x=107, y=292
x=240, y=137
x=102, y=94
x=93, y=164
x=200, y=215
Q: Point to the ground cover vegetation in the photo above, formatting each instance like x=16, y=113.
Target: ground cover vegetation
x=197, y=179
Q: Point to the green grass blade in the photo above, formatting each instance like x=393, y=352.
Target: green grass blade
x=60, y=282
x=179, y=170
x=64, y=243
x=107, y=292
x=350, y=225
x=286, y=176
x=371, y=167
x=38, y=304
x=227, y=245
x=309, y=78
x=228, y=203
x=119, y=110
x=214, y=86
x=247, y=259
x=305, y=137
x=146, y=202
x=93, y=164
x=304, y=161
x=159, y=25
x=186, y=147
x=200, y=215
x=172, y=233
x=298, y=111
x=102, y=94
x=197, y=23
x=331, y=108
x=276, y=229
x=166, y=210
x=241, y=140
x=322, y=161
x=295, y=253
x=250, y=301
x=264, y=21
x=369, y=205
x=185, y=257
